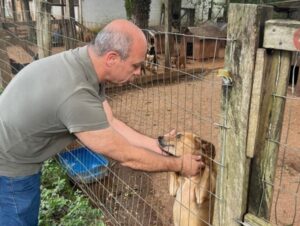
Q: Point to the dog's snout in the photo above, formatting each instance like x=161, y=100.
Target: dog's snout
x=161, y=141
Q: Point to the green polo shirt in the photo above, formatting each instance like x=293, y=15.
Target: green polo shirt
x=43, y=106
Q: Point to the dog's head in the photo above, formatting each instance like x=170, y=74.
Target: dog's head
x=178, y=144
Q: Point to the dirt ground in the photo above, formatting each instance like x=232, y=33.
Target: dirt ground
x=188, y=103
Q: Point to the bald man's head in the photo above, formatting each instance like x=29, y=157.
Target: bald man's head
x=119, y=36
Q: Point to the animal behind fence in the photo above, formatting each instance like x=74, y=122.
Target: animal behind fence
x=188, y=100
x=194, y=200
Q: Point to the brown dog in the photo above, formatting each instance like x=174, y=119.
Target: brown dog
x=194, y=202
x=88, y=36
x=178, y=62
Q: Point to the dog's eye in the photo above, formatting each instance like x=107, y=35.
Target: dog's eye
x=178, y=135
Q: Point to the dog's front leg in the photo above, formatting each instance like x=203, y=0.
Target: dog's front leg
x=202, y=189
x=173, y=183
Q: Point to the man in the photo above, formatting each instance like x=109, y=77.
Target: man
x=55, y=100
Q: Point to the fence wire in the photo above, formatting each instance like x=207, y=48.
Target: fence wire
x=184, y=95
x=286, y=197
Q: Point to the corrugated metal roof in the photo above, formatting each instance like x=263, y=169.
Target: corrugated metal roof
x=290, y=4
x=209, y=29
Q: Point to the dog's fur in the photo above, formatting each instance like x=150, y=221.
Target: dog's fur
x=88, y=36
x=194, y=200
x=178, y=62
x=151, y=59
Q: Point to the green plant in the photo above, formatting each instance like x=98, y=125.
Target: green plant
x=129, y=8
x=61, y=204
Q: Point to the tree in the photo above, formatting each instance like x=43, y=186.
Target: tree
x=138, y=11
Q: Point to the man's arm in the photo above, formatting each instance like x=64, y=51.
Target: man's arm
x=135, y=138
x=112, y=144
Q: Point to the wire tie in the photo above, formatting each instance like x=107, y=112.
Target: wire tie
x=220, y=125
x=275, y=95
x=242, y=223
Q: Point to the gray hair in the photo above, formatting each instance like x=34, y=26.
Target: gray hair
x=110, y=40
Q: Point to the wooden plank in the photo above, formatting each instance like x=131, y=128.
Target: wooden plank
x=297, y=88
x=254, y=120
x=255, y=221
x=69, y=25
x=244, y=27
x=269, y=132
x=282, y=35
x=168, y=28
x=43, y=29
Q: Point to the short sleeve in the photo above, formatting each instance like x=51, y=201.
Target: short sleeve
x=83, y=111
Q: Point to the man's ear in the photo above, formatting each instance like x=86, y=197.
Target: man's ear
x=111, y=58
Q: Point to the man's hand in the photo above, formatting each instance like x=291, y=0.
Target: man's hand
x=191, y=165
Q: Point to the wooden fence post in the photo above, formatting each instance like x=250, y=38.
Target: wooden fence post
x=244, y=27
x=168, y=28
x=70, y=25
x=43, y=27
x=278, y=35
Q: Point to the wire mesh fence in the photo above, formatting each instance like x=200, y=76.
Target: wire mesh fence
x=285, y=206
x=184, y=94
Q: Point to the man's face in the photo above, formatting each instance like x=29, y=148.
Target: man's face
x=126, y=70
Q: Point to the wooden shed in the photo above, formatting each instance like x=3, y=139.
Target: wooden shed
x=205, y=41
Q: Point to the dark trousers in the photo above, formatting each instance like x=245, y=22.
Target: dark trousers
x=20, y=200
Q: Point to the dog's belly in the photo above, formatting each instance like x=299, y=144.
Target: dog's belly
x=186, y=211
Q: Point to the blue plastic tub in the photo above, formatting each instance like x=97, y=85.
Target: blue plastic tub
x=84, y=165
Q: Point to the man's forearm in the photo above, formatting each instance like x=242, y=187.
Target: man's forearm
x=135, y=138
x=117, y=147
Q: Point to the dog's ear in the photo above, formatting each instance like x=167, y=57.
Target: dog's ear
x=197, y=141
x=208, y=149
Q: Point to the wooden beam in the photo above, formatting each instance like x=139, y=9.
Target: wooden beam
x=69, y=25
x=255, y=221
x=254, y=120
x=282, y=35
x=43, y=27
x=269, y=133
x=297, y=87
x=243, y=30
x=80, y=18
x=168, y=28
